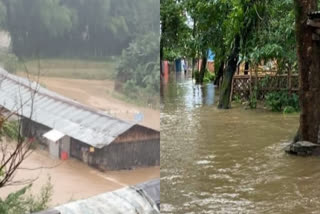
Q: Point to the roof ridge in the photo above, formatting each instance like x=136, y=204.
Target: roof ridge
x=62, y=98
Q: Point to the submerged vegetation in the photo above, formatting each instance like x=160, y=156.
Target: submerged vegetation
x=282, y=101
x=207, y=78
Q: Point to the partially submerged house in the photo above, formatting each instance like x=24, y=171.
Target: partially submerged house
x=140, y=199
x=69, y=128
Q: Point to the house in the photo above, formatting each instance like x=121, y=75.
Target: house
x=141, y=198
x=70, y=129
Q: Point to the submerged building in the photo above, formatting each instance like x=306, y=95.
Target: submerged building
x=140, y=199
x=70, y=129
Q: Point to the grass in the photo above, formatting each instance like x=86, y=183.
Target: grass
x=71, y=68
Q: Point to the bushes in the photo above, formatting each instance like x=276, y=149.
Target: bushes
x=282, y=101
x=208, y=76
x=138, y=69
x=10, y=129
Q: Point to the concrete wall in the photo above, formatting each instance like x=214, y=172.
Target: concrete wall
x=119, y=155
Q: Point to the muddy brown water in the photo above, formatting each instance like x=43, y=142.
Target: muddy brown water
x=229, y=161
x=72, y=179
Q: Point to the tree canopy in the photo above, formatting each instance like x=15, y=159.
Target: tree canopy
x=237, y=31
x=76, y=27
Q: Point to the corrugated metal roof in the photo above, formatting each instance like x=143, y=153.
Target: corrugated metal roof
x=57, y=112
x=152, y=189
x=140, y=199
x=128, y=200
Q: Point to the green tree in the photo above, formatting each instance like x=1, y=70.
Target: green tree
x=174, y=30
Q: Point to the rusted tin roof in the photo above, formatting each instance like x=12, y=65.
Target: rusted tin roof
x=48, y=108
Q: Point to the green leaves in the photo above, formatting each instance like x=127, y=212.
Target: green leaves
x=138, y=68
x=282, y=101
x=22, y=202
x=175, y=33
x=95, y=28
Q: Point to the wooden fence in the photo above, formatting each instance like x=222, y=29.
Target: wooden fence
x=244, y=85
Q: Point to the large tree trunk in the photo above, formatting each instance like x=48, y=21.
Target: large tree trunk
x=231, y=67
x=219, y=73
x=308, y=51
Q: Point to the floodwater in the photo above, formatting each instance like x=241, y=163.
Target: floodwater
x=72, y=179
x=229, y=161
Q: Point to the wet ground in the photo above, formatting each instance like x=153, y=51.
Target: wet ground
x=73, y=179
x=229, y=161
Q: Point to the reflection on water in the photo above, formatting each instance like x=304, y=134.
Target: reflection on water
x=229, y=161
x=191, y=95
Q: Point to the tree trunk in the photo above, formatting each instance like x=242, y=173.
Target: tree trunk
x=219, y=73
x=203, y=68
x=194, y=36
x=193, y=64
x=308, y=51
x=231, y=67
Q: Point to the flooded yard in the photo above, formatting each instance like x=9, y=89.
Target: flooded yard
x=72, y=179
x=229, y=161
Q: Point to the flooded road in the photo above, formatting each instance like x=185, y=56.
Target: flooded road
x=229, y=161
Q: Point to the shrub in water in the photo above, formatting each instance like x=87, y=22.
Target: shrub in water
x=282, y=101
x=208, y=76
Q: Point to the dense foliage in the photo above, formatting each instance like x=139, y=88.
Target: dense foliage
x=22, y=202
x=138, y=70
x=92, y=28
x=238, y=31
x=174, y=31
x=282, y=101
x=10, y=129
